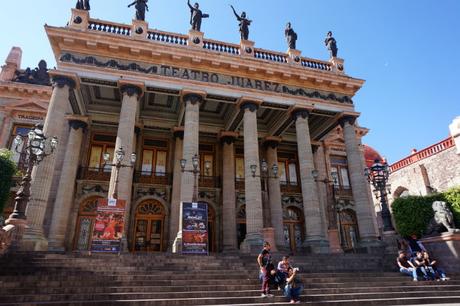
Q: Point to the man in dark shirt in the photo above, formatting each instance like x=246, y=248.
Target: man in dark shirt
x=265, y=264
x=405, y=266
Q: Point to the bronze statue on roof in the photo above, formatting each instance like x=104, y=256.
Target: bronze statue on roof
x=140, y=6
x=196, y=16
x=244, y=24
x=291, y=36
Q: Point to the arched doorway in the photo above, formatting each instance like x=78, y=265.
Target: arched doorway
x=85, y=223
x=349, y=229
x=293, y=222
x=149, y=227
x=241, y=224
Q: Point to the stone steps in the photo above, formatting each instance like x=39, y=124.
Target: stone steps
x=55, y=279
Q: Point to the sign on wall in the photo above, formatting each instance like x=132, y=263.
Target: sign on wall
x=195, y=228
x=109, y=226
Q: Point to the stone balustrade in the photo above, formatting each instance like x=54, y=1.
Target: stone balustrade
x=157, y=36
x=425, y=153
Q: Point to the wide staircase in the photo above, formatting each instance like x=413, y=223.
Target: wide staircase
x=162, y=279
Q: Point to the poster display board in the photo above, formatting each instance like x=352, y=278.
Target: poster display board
x=195, y=228
x=109, y=226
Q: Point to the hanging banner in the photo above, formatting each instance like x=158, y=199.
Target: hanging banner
x=195, y=228
x=109, y=226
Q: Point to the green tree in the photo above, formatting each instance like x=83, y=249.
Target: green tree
x=7, y=170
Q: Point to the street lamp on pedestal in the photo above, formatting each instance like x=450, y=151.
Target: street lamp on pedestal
x=378, y=175
x=37, y=148
x=119, y=157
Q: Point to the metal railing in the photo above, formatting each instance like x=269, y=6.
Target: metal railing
x=94, y=174
x=425, y=153
x=156, y=178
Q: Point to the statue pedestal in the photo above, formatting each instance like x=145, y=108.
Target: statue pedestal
x=247, y=48
x=294, y=57
x=139, y=29
x=79, y=19
x=446, y=249
x=195, y=38
x=337, y=65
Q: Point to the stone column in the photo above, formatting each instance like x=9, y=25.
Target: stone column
x=315, y=240
x=65, y=193
x=323, y=184
x=252, y=184
x=42, y=175
x=359, y=183
x=274, y=192
x=192, y=102
x=175, y=197
x=228, y=191
x=131, y=92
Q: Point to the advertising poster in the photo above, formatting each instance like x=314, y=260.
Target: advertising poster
x=109, y=225
x=195, y=228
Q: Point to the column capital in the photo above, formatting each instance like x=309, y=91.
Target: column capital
x=77, y=122
x=228, y=137
x=178, y=132
x=351, y=119
x=252, y=104
x=193, y=96
x=131, y=88
x=272, y=141
x=300, y=112
x=60, y=79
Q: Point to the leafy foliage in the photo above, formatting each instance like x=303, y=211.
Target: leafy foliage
x=413, y=214
x=7, y=170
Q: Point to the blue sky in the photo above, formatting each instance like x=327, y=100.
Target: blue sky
x=406, y=50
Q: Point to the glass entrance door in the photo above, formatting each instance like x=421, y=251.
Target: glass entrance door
x=149, y=227
x=148, y=235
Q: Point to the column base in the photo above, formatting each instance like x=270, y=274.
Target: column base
x=252, y=244
x=34, y=240
x=315, y=247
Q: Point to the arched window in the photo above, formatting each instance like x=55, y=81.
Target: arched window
x=85, y=223
x=149, y=227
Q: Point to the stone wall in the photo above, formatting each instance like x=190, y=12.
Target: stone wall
x=435, y=173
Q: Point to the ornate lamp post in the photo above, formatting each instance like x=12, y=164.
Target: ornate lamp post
x=264, y=170
x=37, y=148
x=378, y=174
x=119, y=156
x=196, y=172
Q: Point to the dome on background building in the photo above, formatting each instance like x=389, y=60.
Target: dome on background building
x=370, y=155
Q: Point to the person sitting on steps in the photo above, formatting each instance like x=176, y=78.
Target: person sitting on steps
x=293, y=286
x=419, y=264
x=405, y=266
x=433, y=269
x=282, y=272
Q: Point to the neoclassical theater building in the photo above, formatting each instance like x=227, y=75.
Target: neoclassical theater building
x=166, y=97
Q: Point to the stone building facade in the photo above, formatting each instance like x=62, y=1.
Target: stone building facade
x=433, y=169
x=167, y=97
